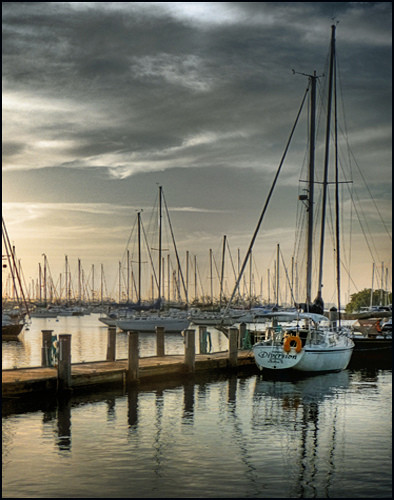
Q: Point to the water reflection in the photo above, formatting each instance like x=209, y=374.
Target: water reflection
x=15, y=350
x=64, y=424
x=89, y=341
x=158, y=447
x=309, y=388
x=240, y=437
x=132, y=414
x=188, y=402
x=296, y=406
x=224, y=436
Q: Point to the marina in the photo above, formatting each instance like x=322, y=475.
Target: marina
x=142, y=357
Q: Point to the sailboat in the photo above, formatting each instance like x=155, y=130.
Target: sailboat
x=310, y=343
x=305, y=340
x=13, y=316
x=172, y=321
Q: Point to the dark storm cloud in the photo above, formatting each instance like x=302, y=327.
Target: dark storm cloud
x=152, y=78
x=152, y=86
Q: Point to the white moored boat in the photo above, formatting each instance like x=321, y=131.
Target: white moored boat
x=149, y=323
x=307, y=347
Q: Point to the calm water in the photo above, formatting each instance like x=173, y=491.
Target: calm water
x=326, y=436
x=89, y=341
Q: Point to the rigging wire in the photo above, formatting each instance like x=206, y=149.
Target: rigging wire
x=267, y=202
x=351, y=155
x=175, y=248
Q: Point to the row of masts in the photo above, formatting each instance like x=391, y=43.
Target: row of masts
x=280, y=285
x=81, y=286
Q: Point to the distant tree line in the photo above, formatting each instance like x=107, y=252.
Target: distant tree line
x=363, y=299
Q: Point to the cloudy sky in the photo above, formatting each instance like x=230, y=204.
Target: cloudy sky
x=103, y=102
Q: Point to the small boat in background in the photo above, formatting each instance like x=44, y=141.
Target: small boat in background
x=373, y=344
x=15, y=310
x=12, y=324
x=172, y=322
x=44, y=312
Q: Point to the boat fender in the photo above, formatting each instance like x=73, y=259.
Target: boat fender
x=289, y=339
x=378, y=327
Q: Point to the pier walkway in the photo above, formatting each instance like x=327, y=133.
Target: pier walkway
x=21, y=381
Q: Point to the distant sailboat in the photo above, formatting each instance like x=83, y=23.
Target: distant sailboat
x=172, y=321
x=13, y=314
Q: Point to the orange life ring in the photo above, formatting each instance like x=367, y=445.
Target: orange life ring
x=289, y=339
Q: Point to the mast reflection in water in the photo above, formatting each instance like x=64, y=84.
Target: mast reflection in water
x=322, y=436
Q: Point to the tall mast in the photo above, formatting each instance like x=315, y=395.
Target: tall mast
x=187, y=277
x=337, y=220
x=120, y=281
x=381, y=286
x=277, y=274
x=210, y=274
x=40, y=282
x=101, y=284
x=160, y=237
x=311, y=181
x=250, y=276
x=195, y=276
x=326, y=158
x=139, y=258
x=128, y=275
x=79, y=282
x=222, y=273
x=373, y=275
x=65, y=279
x=45, y=279
x=92, y=283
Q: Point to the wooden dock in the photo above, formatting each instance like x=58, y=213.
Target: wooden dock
x=21, y=381
x=67, y=376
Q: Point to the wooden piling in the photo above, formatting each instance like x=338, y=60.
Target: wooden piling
x=64, y=363
x=46, y=347
x=203, y=339
x=242, y=341
x=233, y=347
x=160, y=341
x=333, y=316
x=133, y=359
x=190, y=350
x=111, y=344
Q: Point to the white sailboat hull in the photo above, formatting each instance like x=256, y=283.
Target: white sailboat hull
x=325, y=360
x=273, y=357
x=149, y=324
x=309, y=359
